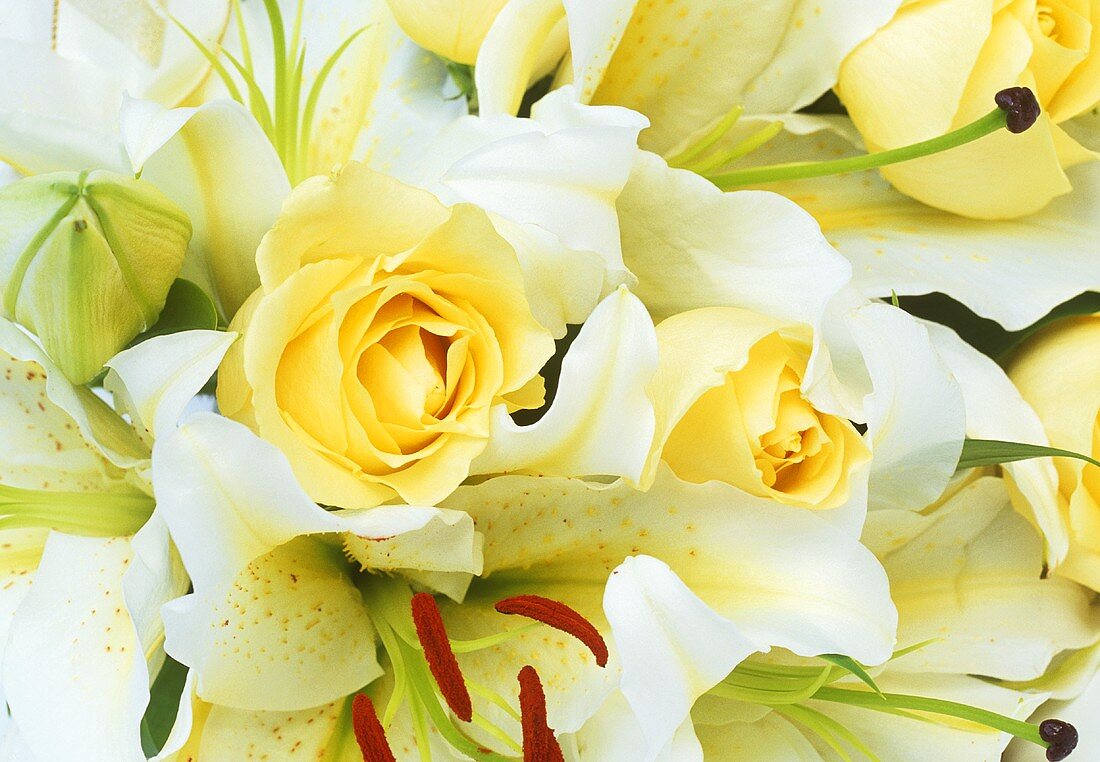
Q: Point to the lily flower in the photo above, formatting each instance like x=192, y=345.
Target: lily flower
x=294, y=615
x=978, y=627
x=79, y=522
x=684, y=66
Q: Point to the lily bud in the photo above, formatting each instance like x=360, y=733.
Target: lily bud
x=86, y=261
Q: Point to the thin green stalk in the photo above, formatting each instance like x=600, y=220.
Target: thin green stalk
x=986, y=125
x=873, y=701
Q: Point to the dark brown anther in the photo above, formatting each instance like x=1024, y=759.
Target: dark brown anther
x=441, y=659
x=369, y=733
x=559, y=616
x=1061, y=736
x=539, y=742
x=1020, y=106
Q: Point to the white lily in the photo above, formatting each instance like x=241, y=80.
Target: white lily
x=683, y=65
x=896, y=244
x=86, y=638
x=965, y=575
x=257, y=545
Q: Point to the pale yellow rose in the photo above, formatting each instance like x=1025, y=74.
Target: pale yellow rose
x=385, y=329
x=453, y=29
x=730, y=408
x=937, y=66
x=1058, y=373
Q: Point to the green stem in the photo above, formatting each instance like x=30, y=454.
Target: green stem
x=890, y=702
x=801, y=170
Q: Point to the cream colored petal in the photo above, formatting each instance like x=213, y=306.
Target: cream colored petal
x=673, y=646
x=1080, y=711
x=995, y=410
x=217, y=164
x=971, y=580
x=57, y=114
x=822, y=589
x=563, y=172
x=96, y=423
x=507, y=60
x=160, y=376
x=414, y=102
x=134, y=41
x=915, y=416
x=690, y=245
x=601, y=421
x=73, y=651
x=897, y=244
x=614, y=734
x=684, y=65
x=769, y=739
x=288, y=632
x=250, y=504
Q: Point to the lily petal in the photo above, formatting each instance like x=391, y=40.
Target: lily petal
x=897, y=244
x=691, y=245
x=819, y=591
x=96, y=422
x=83, y=660
x=969, y=577
x=289, y=632
x=672, y=644
x=915, y=740
x=217, y=164
x=601, y=421
x=227, y=511
x=995, y=410
x=685, y=66
x=155, y=380
x=915, y=415
x=510, y=53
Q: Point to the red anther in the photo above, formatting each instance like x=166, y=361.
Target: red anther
x=539, y=743
x=369, y=732
x=560, y=617
x=441, y=659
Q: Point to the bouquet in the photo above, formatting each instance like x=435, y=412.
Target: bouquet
x=545, y=380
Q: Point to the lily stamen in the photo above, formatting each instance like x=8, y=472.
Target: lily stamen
x=441, y=659
x=369, y=733
x=539, y=742
x=1017, y=109
x=559, y=616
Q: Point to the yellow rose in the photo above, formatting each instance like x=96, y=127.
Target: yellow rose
x=1058, y=373
x=453, y=29
x=936, y=67
x=385, y=329
x=730, y=408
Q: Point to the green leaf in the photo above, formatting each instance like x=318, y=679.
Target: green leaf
x=853, y=666
x=992, y=452
x=187, y=308
x=164, y=700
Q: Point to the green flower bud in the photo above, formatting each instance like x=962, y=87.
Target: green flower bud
x=86, y=261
